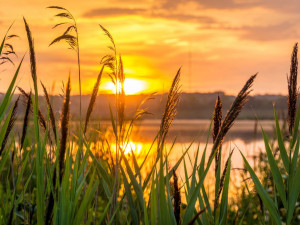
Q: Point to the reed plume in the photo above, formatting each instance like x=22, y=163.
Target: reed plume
x=10, y=126
x=121, y=97
x=177, y=198
x=26, y=120
x=51, y=113
x=8, y=51
x=110, y=60
x=170, y=109
x=68, y=35
x=93, y=99
x=31, y=52
x=292, y=89
x=41, y=117
x=64, y=129
x=232, y=113
x=217, y=126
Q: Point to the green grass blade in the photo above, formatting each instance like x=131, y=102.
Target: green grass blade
x=268, y=203
x=283, y=153
x=295, y=157
x=88, y=195
x=104, y=212
x=275, y=171
x=136, y=186
x=9, y=92
x=293, y=193
x=191, y=204
x=132, y=207
x=296, y=126
x=224, y=199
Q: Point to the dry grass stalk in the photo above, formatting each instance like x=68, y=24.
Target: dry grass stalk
x=177, y=198
x=217, y=126
x=121, y=98
x=292, y=86
x=31, y=51
x=64, y=129
x=41, y=117
x=25, y=120
x=236, y=217
x=67, y=36
x=170, y=109
x=10, y=126
x=51, y=113
x=232, y=114
x=116, y=73
x=93, y=99
x=8, y=51
x=196, y=216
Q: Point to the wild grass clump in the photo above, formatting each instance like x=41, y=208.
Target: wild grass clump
x=70, y=181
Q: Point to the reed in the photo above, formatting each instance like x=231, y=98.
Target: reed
x=177, y=199
x=78, y=189
x=41, y=117
x=9, y=51
x=65, y=116
x=50, y=110
x=11, y=123
x=26, y=120
x=193, y=220
x=292, y=89
x=233, y=113
x=93, y=99
x=170, y=109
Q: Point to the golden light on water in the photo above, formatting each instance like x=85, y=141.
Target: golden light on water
x=133, y=146
x=131, y=86
x=136, y=147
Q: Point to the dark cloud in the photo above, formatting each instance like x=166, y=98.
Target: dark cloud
x=104, y=12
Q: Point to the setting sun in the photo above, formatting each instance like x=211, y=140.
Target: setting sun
x=131, y=86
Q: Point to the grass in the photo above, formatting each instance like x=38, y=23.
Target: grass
x=54, y=176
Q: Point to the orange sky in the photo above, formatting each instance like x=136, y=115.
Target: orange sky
x=218, y=43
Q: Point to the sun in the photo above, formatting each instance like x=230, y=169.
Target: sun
x=131, y=86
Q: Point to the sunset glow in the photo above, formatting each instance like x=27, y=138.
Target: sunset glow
x=155, y=38
x=131, y=86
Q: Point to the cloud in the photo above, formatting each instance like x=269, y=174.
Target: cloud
x=282, y=31
x=184, y=17
x=109, y=12
x=106, y=12
x=292, y=6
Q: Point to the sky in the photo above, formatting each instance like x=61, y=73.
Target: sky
x=218, y=44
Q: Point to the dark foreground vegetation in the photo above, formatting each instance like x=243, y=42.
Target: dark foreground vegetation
x=52, y=176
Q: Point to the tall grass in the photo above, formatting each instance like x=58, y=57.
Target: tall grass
x=80, y=185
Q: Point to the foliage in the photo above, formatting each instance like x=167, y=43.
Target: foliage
x=55, y=176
